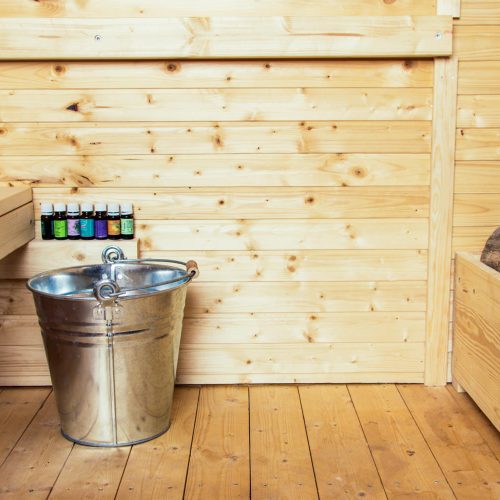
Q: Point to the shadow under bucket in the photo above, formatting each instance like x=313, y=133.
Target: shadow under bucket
x=111, y=334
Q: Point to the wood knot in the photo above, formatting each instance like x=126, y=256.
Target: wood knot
x=221, y=202
x=73, y=107
x=59, y=69
x=309, y=200
x=292, y=258
x=172, y=67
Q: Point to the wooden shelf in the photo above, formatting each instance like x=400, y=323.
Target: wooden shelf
x=40, y=256
x=17, y=225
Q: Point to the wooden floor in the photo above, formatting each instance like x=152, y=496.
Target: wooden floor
x=295, y=442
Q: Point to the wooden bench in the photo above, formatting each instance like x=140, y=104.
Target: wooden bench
x=476, y=334
x=17, y=221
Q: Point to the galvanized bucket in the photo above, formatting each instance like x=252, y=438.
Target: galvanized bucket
x=111, y=334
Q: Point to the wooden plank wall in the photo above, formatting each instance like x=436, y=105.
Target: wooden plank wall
x=477, y=174
x=302, y=187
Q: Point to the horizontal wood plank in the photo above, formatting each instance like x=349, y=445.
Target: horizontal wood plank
x=225, y=37
x=476, y=209
x=249, y=203
x=219, y=170
x=477, y=43
x=206, y=138
x=472, y=238
x=16, y=229
x=477, y=177
x=204, y=298
x=23, y=366
x=313, y=265
x=313, y=234
x=475, y=144
x=218, y=74
x=14, y=197
x=479, y=111
x=215, y=104
x=263, y=328
x=151, y=8
x=479, y=12
x=38, y=256
x=326, y=358
x=479, y=77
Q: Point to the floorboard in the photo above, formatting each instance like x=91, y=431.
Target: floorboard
x=17, y=409
x=269, y=441
x=158, y=468
x=404, y=461
x=281, y=465
x=341, y=457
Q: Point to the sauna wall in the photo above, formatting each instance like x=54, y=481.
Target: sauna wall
x=301, y=187
x=477, y=168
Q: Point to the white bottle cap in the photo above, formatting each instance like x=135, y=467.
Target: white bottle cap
x=87, y=207
x=73, y=208
x=113, y=208
x=59, y=207
x=126, y=208
x=46, y=208
x=100, y=207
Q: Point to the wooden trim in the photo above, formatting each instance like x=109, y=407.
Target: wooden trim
x=225, y=37
x=441, y=218
x=447, y=7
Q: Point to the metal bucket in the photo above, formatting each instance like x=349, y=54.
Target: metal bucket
x=111, y=334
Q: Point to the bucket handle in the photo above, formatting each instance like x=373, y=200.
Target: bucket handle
x=109, y=289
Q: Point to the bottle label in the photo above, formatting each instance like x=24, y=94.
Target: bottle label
x=60, y=229
x=87, y=228
x=101, y=229
x=127, y=226
x=114, y=227
x=47, y=229
x=73, y=227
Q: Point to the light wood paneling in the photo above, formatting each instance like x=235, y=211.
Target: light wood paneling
x=225, y=37
x=479, y=77
x=471, y=239
x=475, y=144
x=358, y=265
x=479, y=111
x=219, y=463
x=16, y=229
x=479, y=12
x=319, y=234
x=337, y=444
x=24, y=365
x=218, y=74
x=477, y=43
x=405, y=463
x=151, y=8
x=476, y=336
x=477, y=209
x=203, y=138
x=280, y=462
x=251, y=203
x=14, y=197
x=477, y=177
x=139, y=105
x=218, y=170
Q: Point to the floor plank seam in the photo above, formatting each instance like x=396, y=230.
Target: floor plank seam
x=26, y=428
x=249, y=447
x=308, y=443
x=426, y=442
x=366, y=441
x=191, y=445
x=123, y=473
x=60, y=471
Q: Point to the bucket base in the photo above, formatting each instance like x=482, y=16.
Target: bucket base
x=112, y=445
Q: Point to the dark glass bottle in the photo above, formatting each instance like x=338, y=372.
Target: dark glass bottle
x=114, y=221
x=101, y=221
x=60, y=222
x=127, y=221
x=87, y=224
x=47, y=221
x=73, y=221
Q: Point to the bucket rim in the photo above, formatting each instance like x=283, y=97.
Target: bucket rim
x=91, y=297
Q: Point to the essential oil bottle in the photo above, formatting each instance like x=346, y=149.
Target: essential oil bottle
x=87, y=225
x=47, y=221
x=127, y=221
x=113, y=221
x=73, y=221
x=101, y=221
x=60, y=222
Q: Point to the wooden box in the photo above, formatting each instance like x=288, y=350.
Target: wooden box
x=476, y=338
